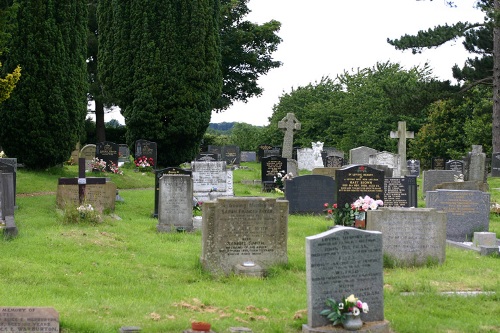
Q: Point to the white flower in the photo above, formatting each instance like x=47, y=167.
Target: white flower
x=351, y=299
x=365, y=308
x=355, y=311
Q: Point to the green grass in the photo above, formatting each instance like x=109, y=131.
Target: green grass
x=123, y=273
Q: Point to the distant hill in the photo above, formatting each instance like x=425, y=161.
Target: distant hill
x=222, y=127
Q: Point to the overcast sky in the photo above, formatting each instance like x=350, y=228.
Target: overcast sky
x=327, y=37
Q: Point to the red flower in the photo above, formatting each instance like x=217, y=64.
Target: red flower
x=330, y=211
x=334, y=206
x=326, y=204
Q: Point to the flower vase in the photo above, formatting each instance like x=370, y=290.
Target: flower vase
x=352, y=322
x=360, y=221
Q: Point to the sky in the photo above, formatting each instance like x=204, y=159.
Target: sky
x=327, y=37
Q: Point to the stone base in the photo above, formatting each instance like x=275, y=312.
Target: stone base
x=256, y=270
x=368, y=327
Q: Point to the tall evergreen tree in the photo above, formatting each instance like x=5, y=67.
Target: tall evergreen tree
x=42, y=120
x=162, y=64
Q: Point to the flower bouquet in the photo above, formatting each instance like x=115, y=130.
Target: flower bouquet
x=349, y=214
x=144, y=164
x=340, y=313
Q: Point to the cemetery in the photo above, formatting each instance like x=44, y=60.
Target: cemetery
x=274, y=272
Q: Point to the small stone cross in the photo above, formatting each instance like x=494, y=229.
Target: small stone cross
x=288, y=124
x=81, y=181
x=402, y=134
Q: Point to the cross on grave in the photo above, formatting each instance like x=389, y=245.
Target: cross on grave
x=402, y=134
x=288, y=124
x=81, y=181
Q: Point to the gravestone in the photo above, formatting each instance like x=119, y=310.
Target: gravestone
x=271, y=166
x=108, y=152
x=400, y=192
x=332, y=151
x=158, y=175
x=388, y=159
x=148, y=149
x=211, y=178
x=88, y=153
x=240, y=232
x=9, y=165
x=341, y=262
x=215, y=150
x=305, y=159
x=438, y=163
x=411, y=236
x=248, y=156
x=495, y=164
x=334, y=161
x=95, y=191
x=289, y=124
x=455, y=165
x=477, y=166
x=466, y=185
x=261, y=148
x=207, y=157
x=402, y=134
x=273, y=151
x=175, y=207
x=431, y=178
x=307, y=194
x=231, y=154
x=467, y=212
x=361, y=155
x=7, y=197
x=123, y=153
x=413, y=167
x=357, y=181
x=29, y=319
x=330, y=172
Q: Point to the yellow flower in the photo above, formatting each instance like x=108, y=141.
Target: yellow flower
x=351, y=299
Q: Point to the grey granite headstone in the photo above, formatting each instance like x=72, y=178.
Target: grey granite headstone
x=6, y=195
x=175, y=207
x=244, y=231
x=477, y=165
x=466, y=185
x=307, y=194
x=248, y=156
x=334, y=162
x=431, y=178
x=207, y=157
x=361, y=155
x=385, y=158
x=9, y=165
x=158, y=174
x=411, y=236
x=341, y=262
x=467, y=211
x=29, y=319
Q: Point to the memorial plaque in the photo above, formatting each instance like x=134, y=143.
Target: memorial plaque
x=158, y=175
x=357, y=181
x=467, y=211
x=307, y=194
x=495, y=165
x=400, y=192
x=413, y=167
x=108, y=152
x=455, y=165
x=438, y=163
x=271, y=166
x=231, y=154
x=242, y=230
x=148, y=149
x=29, y=319
x=341, y=262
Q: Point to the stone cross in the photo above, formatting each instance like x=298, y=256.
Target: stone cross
x=81, y=181
x=402, y=134
x=288, y=124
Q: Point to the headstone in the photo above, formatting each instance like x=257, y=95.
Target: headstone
x=334, y=161
x=330, y=172
x=400, y=192
x=411, y=236
x=388, y=159
x=273, y=151
x=88, y=152
x=431, y=178
x=271, y=166
x=244, y=231
x=9, y=165
x=357, y=181
x=261, y=148
x=317, y=148
x=305, y=159
x=211, y=178
x=455, y=165
x=289, y=124
x=438, y=163
x=477, y=167
x=231, y=154
x=413, y=167
x=467, y=212
x=215, y=150
x=158, y=175
x=307, y=194
x=175, y=207
x=248, y=156
x=207, y=157
x=361, y=155
x=108, y=152
x=495, y=164
x=466, y=185
x=341, y=262
x=123, y=153
x=95, y=191
x=29, y=319
x=148, y=149
x=402, y=134
x=6, y=195
x=332, y=151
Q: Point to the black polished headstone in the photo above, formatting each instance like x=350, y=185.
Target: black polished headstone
x=307, y=194
x=148, y=149
x=260, y=150
x=108, y=152
x=495, y=165
x=400, y=192
x=438, y=163
x=271, y=166
x=231, y=154
x=358, y=181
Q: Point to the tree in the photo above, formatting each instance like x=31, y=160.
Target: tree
x=481, y=38
x=44, y=117
x=161, y=63
x=7, y=14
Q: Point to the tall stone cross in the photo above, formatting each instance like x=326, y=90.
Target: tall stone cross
x=81, y=181
x=288, y=124
x=402, y=134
